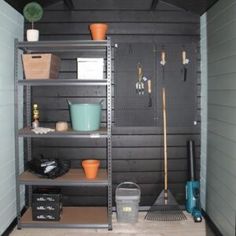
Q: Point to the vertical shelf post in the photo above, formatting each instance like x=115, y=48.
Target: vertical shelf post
x=109, y=141
x=18, y=210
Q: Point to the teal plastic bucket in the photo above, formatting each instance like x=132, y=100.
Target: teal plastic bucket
x=85, y=117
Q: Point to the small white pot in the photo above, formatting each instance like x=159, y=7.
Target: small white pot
x=32, y=35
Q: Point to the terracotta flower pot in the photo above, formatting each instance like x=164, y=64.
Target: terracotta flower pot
x=98, y=31
x=91, y=168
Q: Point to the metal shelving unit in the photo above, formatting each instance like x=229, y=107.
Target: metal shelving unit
x=75, y=217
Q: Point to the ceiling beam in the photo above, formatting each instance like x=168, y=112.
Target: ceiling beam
x=154, y=5
x=69, y=4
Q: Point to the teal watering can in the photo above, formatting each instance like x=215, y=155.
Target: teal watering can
x=85, y=116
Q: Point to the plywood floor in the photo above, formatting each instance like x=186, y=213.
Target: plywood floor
x=142, y=228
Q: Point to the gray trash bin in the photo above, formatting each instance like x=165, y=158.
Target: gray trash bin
x=127, y=202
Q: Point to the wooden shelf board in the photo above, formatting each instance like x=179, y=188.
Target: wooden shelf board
x=101, y=133
x=74, y=177
x=62, y=82
x=71, y=217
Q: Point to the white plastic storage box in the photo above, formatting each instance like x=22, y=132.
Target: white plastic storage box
x=127, y=202
x=90, y=68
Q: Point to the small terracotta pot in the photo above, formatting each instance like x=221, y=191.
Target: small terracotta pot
x=91, y=168
x=98, y=31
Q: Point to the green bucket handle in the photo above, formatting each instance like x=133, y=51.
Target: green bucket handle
x=70, y=103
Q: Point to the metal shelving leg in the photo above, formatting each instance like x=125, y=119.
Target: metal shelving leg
x=18, y=210
x=28, y=140
x=109, y=140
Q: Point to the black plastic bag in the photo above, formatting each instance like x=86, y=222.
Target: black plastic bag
x=49, y=168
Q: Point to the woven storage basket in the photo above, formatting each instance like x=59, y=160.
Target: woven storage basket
x=41, y=66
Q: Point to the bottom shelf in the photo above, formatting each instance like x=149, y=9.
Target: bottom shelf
x=73, y=217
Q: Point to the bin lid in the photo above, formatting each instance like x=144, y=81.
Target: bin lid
x=127, y=194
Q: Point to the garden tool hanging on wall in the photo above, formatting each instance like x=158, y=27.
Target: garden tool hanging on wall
x=185, y=62
x=163, y=63
x=140, y=83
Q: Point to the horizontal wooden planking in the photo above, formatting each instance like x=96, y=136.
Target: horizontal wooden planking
x=226, y=178
x=222, y=97
x=217, y=213
x=52, y=115
x=218, y=7
x=228, y=32
x=149, y=153
x=222, y=82
x=69, y=91
x=149, y=165
x=222, y=113
x=222, y=129
x=155, y=130
x=135, y=153
x=222, y=50
x=152, y=140
x=121, y=29
x=151, y=189
x=102, y=201
x=227, y=163
x=161, y=39
x=224, y=194
x=135, y=5
x=118, y=16
x=224, y=18
x=149, y=192
x=226, y=146
x=221, y=132
x=128, y=166
x=138, y=141
x=60, y=103
x=223, y=66
x=154, y=177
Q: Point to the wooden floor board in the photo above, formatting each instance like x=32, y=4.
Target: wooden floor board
x=141, y=228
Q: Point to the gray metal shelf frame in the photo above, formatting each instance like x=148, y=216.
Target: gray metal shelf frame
x=63, y=46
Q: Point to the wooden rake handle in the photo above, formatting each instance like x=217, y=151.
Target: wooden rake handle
x=165, y=139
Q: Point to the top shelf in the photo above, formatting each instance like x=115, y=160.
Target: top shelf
x=62, y=82
x=68, y=45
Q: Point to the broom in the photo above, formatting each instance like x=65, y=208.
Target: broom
x=165, y=208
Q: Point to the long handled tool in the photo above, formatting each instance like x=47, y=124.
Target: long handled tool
x=193, y=205
x=165, y=208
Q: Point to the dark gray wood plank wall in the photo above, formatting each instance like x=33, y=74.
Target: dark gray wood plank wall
x=137, y=151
